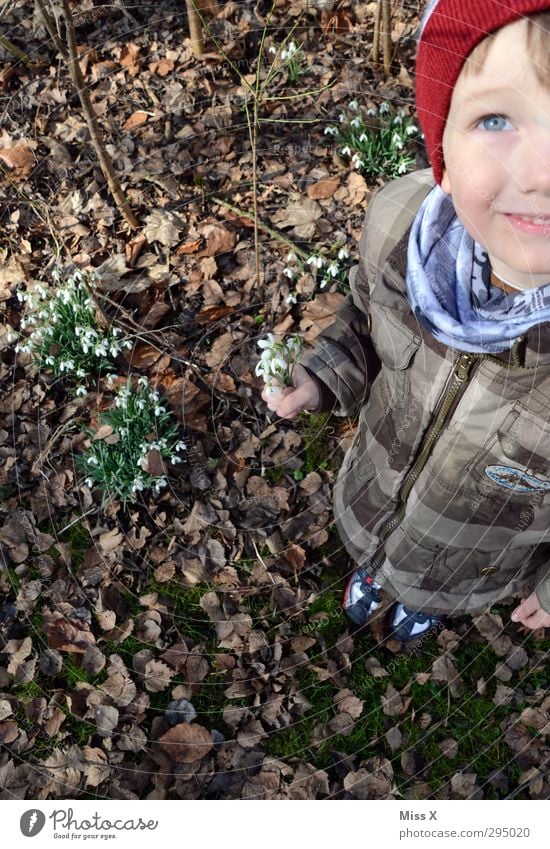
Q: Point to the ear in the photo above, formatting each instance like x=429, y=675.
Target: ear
x=445, y=182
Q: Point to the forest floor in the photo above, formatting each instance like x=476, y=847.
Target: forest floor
x=222, y=592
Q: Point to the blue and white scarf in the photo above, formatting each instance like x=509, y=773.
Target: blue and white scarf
x=449, y=285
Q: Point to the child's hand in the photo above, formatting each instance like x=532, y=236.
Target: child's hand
x=290, y=401
x=531, y=614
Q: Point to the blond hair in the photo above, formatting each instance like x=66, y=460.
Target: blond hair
x=538, y=32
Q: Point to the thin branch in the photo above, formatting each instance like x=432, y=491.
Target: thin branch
x=95, y=133
x=243, y=213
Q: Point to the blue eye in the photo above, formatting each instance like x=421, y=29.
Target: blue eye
x=493, y=122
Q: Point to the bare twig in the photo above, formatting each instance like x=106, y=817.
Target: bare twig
x=195, y=27
x=261, y=226
x=95, y=133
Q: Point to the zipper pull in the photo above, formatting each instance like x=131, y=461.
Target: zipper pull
x=463, y=367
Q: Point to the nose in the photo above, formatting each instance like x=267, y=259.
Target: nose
x=531, y=165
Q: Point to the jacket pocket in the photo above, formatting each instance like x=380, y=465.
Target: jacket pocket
x=514, y=463
x=396, y=346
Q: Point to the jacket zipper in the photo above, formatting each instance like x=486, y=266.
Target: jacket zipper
x=459, y=380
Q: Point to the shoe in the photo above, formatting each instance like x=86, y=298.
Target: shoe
x=409, y=624
x=361, y=597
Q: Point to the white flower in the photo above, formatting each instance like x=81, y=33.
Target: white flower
x=403, y=168
x=115, y=351
x=175, y=459
x=291, y=257
x=342, y=117
x=277, y=363
x=291, y=299
x=267, y=343
x=343, y=254
x=353, y=105
x=363, y=137
x=141, y=403
x=410, y=131
x=289, y=272
x=159, y=410
x=384, y=107
x=127, y=344
x=80, y=372
x=93, y=461
x=142, y=381
x=330, y=131
x=397, y=120
x=333, y=269
x=180, y=446
x=162, y=482
x=272, y=49
x=81, y=391
x=355, y=122
x=89, y=482
x=49, y=361
x=153, y=396
x=371, y=112
x=357, y=162
x=346, y=151
x=324, y=282
x=317, y=261
x=110, y=378
x=137, y=485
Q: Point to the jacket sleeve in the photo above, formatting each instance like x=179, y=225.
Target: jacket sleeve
x=343, y=361
x=542, y=587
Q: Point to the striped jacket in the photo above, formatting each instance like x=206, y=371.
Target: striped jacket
x=444, y=493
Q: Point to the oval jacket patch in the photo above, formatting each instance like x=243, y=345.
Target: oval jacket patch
x=516, y=479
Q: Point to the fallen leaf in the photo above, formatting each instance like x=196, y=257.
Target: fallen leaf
x=136, y=119
x=186, y=742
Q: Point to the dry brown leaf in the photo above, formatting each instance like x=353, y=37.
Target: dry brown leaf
x=162, y=68
x=218, y=239
x=163, y=226
x=186, y=742
x=111, y=540
x=157, y=676
x=301, y=215
x=392, y=703
x=490, y=626
x=323, y=189
x=136, y=119
x=20, y=159
x=129, y=58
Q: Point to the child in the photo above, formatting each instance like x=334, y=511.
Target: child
x=443, y=345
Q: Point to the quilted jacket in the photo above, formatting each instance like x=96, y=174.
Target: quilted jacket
x=444, y=493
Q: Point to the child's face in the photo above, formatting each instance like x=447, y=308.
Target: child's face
x=496, y=148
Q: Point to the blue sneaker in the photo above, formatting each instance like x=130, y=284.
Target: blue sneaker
x=361, y=597
x=409, y=624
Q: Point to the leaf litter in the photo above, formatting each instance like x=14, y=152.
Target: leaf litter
x=192, y=645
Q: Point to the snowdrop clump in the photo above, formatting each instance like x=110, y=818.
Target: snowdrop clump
x=326, y=270
x=292, y=60
x=380, y=145
x=65, y=334
x=143, y=445
x=277, y=361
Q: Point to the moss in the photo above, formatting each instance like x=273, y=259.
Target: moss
x=315, y=435
x=185, y=609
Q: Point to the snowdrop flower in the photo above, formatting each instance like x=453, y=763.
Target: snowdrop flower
x=291, y=299
x=160, y=484
x=384, y=108
x=267, y=343
x=342, y=117
x=115, y=350
x=127, y=344
x=137, y=485
x=153, y=396
x=80, y=372
x=89, y=482
x=159, y=410
x=141, y=403
x=316, y=261
x=93, y=461
x=346, y=151
x=324, y=282
x=353, y=105
x=410, y=131
x=397, y=120
x=110, y=378
x=343, y=254
x=272, y=49
x=49, y=361
x=363, y=137
x=81, y=391
x=291, y=257
x=371, y=112
x=180, y=446
x=142, y=381
x=355, y=122
x=289, y=272
x=403, y=168
x=175, y=459
x=331, y=131
x=333, y=269
x=397, y=141
x=357, y=161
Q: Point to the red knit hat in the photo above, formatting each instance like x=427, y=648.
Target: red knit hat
x=450, y=31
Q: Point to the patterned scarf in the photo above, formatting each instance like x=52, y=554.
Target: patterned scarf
x=449, y=285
